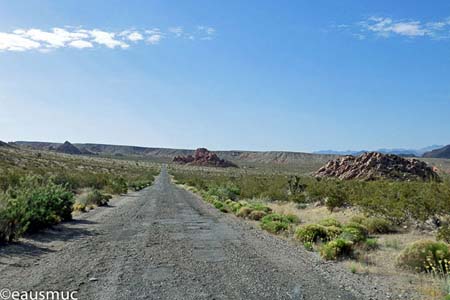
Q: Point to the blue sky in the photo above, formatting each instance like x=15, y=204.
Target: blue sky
x=256, y=75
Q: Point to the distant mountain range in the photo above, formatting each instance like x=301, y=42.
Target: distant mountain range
x=397, y=151
x=292, y=160
x=443, y=152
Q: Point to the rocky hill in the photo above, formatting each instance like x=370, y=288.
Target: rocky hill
x=203, y=157
x=443, y=152
x=68, y=148
x=374, y=165
x=3, y=144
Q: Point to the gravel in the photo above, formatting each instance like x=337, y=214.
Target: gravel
x=165, y=243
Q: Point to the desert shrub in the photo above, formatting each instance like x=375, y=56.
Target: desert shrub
x=292, y=218
x=336, y=248
x=330, y=222
x=358, y=219
x=370, y=244
x=95, y=197
x=377, y=225
x=78, y=206
x=218, y=204
x=312, y=233
x=229, y=202
x=224, y=192
x=426, y=256
x=235, y=206
x=117, y=186
x=244, y=212
x=140, y=184
x=7, y=226
x=354, y=232
x=260, y=207
x=333, y=232
x=275, y=223
x=443, y=233
x=257, y=215
x=38, y=204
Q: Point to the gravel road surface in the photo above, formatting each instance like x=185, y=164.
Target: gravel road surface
x=165, y=243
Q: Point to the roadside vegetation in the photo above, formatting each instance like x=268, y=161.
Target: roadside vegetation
x=40, y=189
x=381, y=226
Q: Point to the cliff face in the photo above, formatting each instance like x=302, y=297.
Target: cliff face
x=373, y=165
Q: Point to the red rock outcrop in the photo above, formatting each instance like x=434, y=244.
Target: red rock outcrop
x=203, y=157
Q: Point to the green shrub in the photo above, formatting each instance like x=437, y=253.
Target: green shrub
x=308, y=246
x=38, y=204
x=427, y=256
x=312, y=233
x=354, y=232
x=378, y=225
x=244, y=212
x=95, y=197
x=370, y=244
x=330, y=222
x=358, y=219
x=443, y=233
x=336, y=248
x=118, y=186
x=257, y=215
x=217, y=204
x=292, y=218
x=260, y=207
x=275, y=223
x=333, y=232
x=7, y=226
x=235, y=207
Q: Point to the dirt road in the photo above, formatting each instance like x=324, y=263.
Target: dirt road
x=164, y=243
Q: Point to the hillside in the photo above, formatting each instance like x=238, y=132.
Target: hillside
x=443, y=152
x=295, y=161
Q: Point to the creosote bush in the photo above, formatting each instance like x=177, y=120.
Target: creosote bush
x=336, y=248
x=275, y=223
x=426, y=256
x=312, y=233
x=35, y=204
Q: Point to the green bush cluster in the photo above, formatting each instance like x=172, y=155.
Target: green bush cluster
x=336, y=239
x=275, y=223
x=426, y=256
x=35, y=204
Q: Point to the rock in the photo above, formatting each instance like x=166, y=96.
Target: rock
x=204, y=157
x=374, y=165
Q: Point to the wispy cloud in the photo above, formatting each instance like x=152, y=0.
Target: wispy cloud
x=79, y=38
x=386, y=27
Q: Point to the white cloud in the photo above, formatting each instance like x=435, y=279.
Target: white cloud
x=177, y=31
x=387, y=27
x=135, y=36
x=154, y=39
x=76, y=37
x=206, y=32
x=107, y=39
x=80, y=44
x=13, y=42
